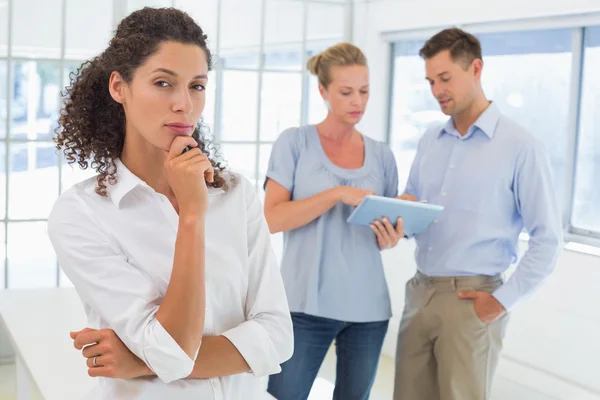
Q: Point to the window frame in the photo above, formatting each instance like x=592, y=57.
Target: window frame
x=120, y=10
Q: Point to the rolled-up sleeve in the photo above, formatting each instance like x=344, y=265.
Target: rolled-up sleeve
x=265, y=339
x=283, y=159
x=122, y=295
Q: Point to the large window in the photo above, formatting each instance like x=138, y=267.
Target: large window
x=258, y=88
x=529, y=74
x=586, y=199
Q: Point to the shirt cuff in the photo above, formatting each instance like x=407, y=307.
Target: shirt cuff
x=164, y=356
x=255, y=345
x=507, y=296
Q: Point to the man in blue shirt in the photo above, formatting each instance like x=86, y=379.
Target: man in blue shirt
x=493, y=178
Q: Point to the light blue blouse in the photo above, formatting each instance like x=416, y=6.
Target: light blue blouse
x=330, y=268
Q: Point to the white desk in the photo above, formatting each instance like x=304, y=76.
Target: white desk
x=38, y=323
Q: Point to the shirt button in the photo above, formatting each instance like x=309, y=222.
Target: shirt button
x=431, y=248
x=451, y=166
x=435, y=221
x=444, y=194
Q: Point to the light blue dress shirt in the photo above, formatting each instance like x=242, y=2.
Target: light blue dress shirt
x=493, y=182
x=330, y=268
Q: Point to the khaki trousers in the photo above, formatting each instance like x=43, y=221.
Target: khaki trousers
x=445, y=352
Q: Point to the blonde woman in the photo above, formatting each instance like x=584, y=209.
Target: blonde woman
x=333, y=273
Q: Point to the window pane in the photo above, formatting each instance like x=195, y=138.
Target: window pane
x=3, y=30
x=586, y=202
x=238, y=111
x=317, y=111
x=133, y=5
x=36, y=28
x=240, y=158
x=95, y=18
x=33, y=184
x=281, y=102
x=27, y=268
x=325, y=23
x=36, y=99
x=240, y=33
x=528, y=74
x=283, y=34
x=3, y=96
x=2, y=182
x=284, y=60
x=205, y=14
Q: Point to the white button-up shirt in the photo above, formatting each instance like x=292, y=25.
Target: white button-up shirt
x=118, y=253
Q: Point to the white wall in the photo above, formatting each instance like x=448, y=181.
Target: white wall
x=552, y=343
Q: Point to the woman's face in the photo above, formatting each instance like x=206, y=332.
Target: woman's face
x=348, y=93
x=166, y=95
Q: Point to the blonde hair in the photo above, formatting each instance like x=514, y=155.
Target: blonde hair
x=341, y=54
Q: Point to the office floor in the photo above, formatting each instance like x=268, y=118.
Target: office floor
x=504, y=389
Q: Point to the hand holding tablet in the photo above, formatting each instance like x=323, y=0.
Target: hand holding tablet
x=417, y=216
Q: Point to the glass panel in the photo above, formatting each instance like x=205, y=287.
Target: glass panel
x=239, y=102
x=38, y=31
x=240, y=33
x=586, y=201
x=283, y=34
x=2, y=183
x=317, y=111
x=205, y=14
x=36, y=99
x=325, y=24
x=95, y=18
x=33, y=184
x=3, y=29
x=3, y=96
x=284, y=60
x=528, y=74
x=241, y=158
x=281, y=103
x=27, y=268
x=133, y=5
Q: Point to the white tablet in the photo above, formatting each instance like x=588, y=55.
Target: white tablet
x=416, y=215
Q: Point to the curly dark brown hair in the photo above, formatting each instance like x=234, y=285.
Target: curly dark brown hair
x=91, y=127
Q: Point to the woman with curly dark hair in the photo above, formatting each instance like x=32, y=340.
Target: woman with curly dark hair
x=169, y=252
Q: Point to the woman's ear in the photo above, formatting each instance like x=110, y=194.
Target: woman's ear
x=116, y=87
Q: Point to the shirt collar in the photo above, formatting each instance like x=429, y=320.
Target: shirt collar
x=486, y=123
x=126, y=182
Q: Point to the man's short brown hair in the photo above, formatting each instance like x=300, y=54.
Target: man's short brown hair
x=463, y=46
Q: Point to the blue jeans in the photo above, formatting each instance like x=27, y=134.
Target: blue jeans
x=358, y=347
